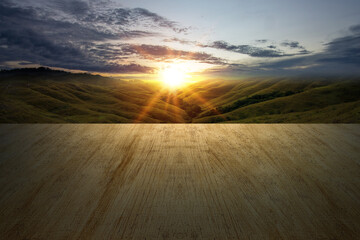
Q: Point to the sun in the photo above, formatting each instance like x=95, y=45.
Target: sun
x=173, y=76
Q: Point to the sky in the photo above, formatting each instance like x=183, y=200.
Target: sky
x=210, y=38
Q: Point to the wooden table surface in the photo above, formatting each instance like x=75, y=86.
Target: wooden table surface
x=179, y=181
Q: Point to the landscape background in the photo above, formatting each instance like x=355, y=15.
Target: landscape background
x=158, y=89
x=43, y=95
x=112, y=61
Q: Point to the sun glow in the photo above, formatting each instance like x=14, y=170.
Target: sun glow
x=174, y=76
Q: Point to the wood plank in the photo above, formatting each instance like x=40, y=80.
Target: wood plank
x=179, y=181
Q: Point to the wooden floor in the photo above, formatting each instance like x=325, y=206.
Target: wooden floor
x=166, y=181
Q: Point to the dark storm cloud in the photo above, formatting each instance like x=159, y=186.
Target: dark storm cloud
x=70, y=33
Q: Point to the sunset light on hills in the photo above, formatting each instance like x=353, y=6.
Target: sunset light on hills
x=189, y=119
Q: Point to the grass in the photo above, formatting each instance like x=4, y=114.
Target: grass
x=47, y=96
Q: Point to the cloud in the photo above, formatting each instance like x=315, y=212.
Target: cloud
x=262, y=40
x=248, y=50
x=341, y=56
x=182, y=41
x=270, y=52
x=161, y=21
x=344, y=50
x=91, y=36
x=128, y=68
x=341, y=51
x=355, y=29
x=30, y=46
x=98, y=13
x=292, y=44
x=76, y=7
x=163, y=53
x=71, y=33
x=118, y=19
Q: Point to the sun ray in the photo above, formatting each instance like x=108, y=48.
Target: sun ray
x=173, y=76
x=177, y=108
x=149, y=106
x=167, y=101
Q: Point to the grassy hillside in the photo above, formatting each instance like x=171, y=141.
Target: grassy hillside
x=64, y=97
x=281, y=100
x=43, y=95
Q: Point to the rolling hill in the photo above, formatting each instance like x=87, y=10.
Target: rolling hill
x=50, y=96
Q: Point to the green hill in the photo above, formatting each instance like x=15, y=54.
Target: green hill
x=286, y=100
x=65, y=97
x=47, y=96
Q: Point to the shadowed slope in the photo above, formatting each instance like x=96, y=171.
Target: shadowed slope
x=281, y=100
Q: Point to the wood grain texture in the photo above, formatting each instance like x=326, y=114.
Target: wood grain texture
x=179, y=181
